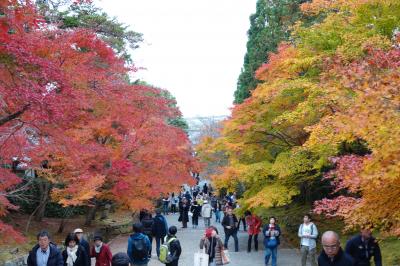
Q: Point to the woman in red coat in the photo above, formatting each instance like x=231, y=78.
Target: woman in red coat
x=254, y=225
x=101, y=252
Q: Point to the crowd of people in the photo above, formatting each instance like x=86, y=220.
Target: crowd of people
x=196, y=203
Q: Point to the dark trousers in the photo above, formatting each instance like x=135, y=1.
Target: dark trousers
x=184, y=224
x=151, y=243
x=255, y=243
x=228, y=234
x=165, y=209
x=244, y=224
x=195, y=220
x=159, y=242
x=173, y=208
x=174, y=263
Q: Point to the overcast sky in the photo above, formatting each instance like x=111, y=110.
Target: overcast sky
x=194, y=49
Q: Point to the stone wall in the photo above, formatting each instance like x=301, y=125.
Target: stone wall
x=17, y=262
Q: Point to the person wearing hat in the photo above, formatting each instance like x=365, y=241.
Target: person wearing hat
x=83, y=243
x=101, y=252
x=120, y=259
x=206, y=212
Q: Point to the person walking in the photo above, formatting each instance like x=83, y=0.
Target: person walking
x=74, y=254
x=308, y=234
x=213, y=246
x=175, y=249
x=206, y=212
x=160, y=227
x=332, y=254
x=242, y=219
x=218, y=211
x=184, y=212
x=230, y=223
x=166, y=201
x=44, y=253
x=101, y=252
x=82, y=242
x=174, y=203
x=120, y=259
x=363, y=247
x=195, y=210
x=272, y=233
x=147, y=223
x=254, y=227
x=205, y=188
x=138, y=246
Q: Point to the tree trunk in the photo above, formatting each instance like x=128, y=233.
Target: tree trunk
x=61, y=226
x=91, y=213
x=67, y=213
x=44, y=188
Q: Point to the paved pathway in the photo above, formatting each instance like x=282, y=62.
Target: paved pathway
x=190, y=239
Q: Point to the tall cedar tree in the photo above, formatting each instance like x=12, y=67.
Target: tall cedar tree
x=269, y=25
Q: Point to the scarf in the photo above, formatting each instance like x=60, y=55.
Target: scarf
x=71, y=255
x=211, y=248
x=97, y=248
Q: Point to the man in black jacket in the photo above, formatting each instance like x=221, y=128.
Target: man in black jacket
x=332, y=254
x=362, y=247
x=174, y=246
x=45, y=253
x=148, y=222
x=159, y=231
x=82, y=242
x=230, y=224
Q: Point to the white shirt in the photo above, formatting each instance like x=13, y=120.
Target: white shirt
x=308, y=230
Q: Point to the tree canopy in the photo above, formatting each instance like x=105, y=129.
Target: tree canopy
x=269, y=25
x=68, y=112
x=326, y=109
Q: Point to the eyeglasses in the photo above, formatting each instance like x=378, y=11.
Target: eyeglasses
x=331, y=247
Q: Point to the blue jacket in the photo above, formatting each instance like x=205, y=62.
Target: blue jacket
x=267, y=236
x=160, y=226
x=130, y=251
x=86, y=246
x=55, y=257
x=341, y=259
x=362, y=252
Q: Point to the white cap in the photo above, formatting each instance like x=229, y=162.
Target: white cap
x=205, y=201
x=78, y=230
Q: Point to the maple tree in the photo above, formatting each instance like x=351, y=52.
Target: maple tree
x=335, y=83
x=68, y=112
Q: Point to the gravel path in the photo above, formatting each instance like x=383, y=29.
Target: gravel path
x=190, y=239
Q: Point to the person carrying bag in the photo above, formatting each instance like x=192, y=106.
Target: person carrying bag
x=214, y=248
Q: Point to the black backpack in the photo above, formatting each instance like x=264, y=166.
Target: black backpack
x=140, y=250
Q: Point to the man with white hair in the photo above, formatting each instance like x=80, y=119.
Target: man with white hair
x=332, y=254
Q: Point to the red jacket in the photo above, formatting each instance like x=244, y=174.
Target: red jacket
x=104, y=257
x=254, y=224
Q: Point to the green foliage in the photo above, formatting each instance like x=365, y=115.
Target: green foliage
x=390, y=251
x=358, y=146
x=269, y=25
x=116, y=34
